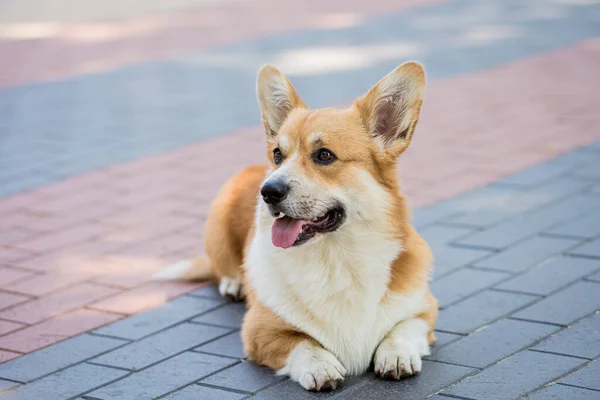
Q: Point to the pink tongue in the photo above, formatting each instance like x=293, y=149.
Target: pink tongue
x=285, y=231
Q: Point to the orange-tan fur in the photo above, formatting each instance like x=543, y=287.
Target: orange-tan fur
x=352, y=135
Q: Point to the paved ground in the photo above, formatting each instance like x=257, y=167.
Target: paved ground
x=118, y=125
x=518, y=280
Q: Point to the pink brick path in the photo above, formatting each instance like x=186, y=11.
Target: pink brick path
x=78, y=254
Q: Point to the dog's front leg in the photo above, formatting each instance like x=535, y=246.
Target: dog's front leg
x=272, y=342
x=399, y=353
x=314, y=367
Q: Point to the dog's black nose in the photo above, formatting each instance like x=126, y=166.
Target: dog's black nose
x=273, y=192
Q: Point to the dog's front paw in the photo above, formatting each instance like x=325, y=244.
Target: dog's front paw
x=315, y=368
x=397, y=359
x=232, y=288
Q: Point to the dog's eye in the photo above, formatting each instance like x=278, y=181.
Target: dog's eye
x=277, y=156
x=324, y=156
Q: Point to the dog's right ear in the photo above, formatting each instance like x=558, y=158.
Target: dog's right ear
x=276, y=97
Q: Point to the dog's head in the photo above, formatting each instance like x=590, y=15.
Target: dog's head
x=332, y=168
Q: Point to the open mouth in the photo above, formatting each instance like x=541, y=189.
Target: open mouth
x=288, y=232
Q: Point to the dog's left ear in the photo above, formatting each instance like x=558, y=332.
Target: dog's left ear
x=391, y=108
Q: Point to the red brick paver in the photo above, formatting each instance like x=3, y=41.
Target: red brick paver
x=88, y=260
x=55, y=329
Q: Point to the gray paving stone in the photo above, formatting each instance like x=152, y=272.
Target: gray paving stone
x=5, y=385
x=230, y=345
x=586, y=226
x=562, y=392
x=515, y=376
x=538, y=174
x=196, y=392
x=209, y=291
x=155, y=348
x=163, y=378
x=246, y=376
x=590, y=170
x=442, y=234
x=492, y=343
x=551, y=276
x=50, y=359
x=463, y=283
x=423, y=217
x=513, y=202
x=595, y=277
x=433, y=377
x=443, y=338
x=587, y=377
x=517, y=229
x=291, y=390
x=589, y=249
x=480, y=309
x=230, y=316
x=448, y=258
x=582, y=339
x=565, y=306
x=66, y=384
x=162, y=317
x=527, y=253
x=518, y=203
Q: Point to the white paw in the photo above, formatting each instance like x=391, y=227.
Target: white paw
x=231, y=287
x=314, y=367
x=397, y=359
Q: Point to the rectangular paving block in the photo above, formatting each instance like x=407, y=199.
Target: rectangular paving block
x=433, y=377
x=518, y=203
x=587, y=377
x=515, y=376
x=199, y=392
x=66, y=384
x=566, y=305
x=527, y=253
x=246, y=376
x=443, y=234
x=449, y=258
x=163, y=378
x=589, y=249
x=230, y=315
x=551, y=276
x=210, y=292
x=492, y=343
x=594, y=277
x=56, y=303
x=463, y=283
x=443, y=338
x=514, y=202
x=50, y=359
x=229, y=345
x=562, y=392
x=291, y=390
x=480, y=309
x=537, y=174
x=152, y=349
x=517, y=229
x=162, y=317
x=586, y=226
x=582, y=339
x=428, y=215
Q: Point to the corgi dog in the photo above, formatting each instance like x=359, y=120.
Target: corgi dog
x=319, y=241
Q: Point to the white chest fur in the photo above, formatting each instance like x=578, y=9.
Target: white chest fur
x=335, y=290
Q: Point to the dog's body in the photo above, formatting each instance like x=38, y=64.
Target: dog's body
x=334, y=274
